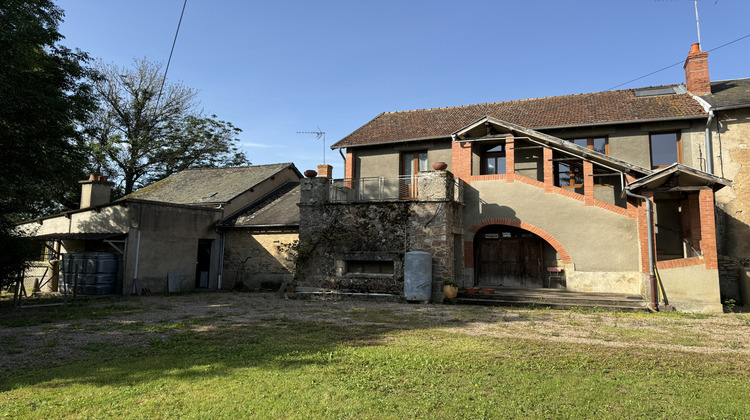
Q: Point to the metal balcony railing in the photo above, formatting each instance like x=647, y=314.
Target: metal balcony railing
x=422, y=186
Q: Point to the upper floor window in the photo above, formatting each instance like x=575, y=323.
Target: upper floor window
x=597, y=144
x=493, y=161
x=665, y=149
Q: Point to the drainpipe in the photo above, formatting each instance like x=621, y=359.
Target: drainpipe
x=709, y=146
x=651, y=271
x=221, y=257
x=135, y=271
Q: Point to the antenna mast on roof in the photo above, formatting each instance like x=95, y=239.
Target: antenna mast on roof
x=319, y=134
x=697, y=21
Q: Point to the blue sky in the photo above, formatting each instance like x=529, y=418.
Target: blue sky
x=273, y=68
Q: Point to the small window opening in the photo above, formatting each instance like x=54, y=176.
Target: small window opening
x=369, y=267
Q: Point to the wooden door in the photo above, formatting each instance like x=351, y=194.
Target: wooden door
x=509, y=261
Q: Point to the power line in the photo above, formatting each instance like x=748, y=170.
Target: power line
x=678, y=63
x=163, y=80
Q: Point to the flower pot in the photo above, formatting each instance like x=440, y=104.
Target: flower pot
x=472, y=290
x=450, y=291
x=488, y=291
x=310, y=173
x=439, y=166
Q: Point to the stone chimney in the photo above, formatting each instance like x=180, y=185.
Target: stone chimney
x=325, y=171
x=95, y=191
x=696, y=71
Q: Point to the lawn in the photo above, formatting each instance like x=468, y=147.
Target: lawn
x=235, y=355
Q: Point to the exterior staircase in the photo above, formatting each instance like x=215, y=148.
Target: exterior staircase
x=555, y=299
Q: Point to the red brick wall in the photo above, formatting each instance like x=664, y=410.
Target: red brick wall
x=708, y=228
x=461, y=161
x=588, y=183
x=696, y=71
x=549, y=170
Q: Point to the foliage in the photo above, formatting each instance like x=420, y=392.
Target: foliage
x=43, y=101
x=450, y=282
x=146, y=129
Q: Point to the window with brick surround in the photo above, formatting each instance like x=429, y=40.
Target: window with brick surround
x=665, y=149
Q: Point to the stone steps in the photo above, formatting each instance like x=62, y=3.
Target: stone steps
x=555, y=299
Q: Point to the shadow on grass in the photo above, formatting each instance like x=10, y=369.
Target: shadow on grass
x=188, y=349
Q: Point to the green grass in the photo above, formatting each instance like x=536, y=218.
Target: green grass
x=396, y=369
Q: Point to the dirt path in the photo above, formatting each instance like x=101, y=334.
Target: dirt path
x=136, y=322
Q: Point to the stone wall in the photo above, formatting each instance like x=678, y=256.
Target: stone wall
x=333, y=236
x=258, y=260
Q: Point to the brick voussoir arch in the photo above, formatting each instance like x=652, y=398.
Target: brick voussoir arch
x=525, y=226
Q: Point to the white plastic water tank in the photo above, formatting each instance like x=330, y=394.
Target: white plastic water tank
x=417, y=276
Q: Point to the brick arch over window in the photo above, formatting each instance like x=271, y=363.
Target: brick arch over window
x=525, y=226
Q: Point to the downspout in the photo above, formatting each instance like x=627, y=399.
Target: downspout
x=221, y=257
x=650, y=229
x=709, y=147
x=135, y=270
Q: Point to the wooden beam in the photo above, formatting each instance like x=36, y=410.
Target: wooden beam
x=679, y=189
x=528, y=147
x=565, y=159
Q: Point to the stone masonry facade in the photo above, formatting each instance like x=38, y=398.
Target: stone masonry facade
x=334, y=236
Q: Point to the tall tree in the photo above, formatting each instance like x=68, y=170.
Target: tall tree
x=42, y=102
x=144, y=132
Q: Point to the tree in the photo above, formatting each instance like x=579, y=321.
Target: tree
x=43, y=100
x=143, y=132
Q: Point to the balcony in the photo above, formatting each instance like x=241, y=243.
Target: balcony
x=424, y=186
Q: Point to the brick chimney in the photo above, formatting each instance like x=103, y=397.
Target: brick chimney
x=325, y=171
x=696, y=71
x=95, y=191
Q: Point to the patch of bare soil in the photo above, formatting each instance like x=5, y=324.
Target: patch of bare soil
x=149, y=318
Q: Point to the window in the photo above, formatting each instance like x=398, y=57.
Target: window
x=493, y=161
x=412, y=163
x=665, y=149
x=369, y=267
x=569, y=174
x=597, y=144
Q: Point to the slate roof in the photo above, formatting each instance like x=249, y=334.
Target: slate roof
x=277, y=210
x=729, y=93
x=540, y=113
x=208, y=186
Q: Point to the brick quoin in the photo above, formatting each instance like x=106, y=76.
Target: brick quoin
x=510, y=157
x=588, y=183
x=461, y=160
x=549, y=170
x=468, y=254
x=349, y=165
x=708, y=229
x=533, y=229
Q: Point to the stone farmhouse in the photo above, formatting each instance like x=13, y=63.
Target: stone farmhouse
x=196, y=229
x=635, y=191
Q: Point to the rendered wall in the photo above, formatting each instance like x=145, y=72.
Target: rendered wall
x=598, y=241
x=258, y=260
x=692, y=288
x=169, y=238
x=384, y=161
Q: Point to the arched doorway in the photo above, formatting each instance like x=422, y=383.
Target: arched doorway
x=508, y=256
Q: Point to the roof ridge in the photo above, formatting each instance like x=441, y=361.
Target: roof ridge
x=528, y=99
x=236, y=167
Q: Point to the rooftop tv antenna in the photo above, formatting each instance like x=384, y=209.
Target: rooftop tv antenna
x=697, y=21
x=319, y=134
